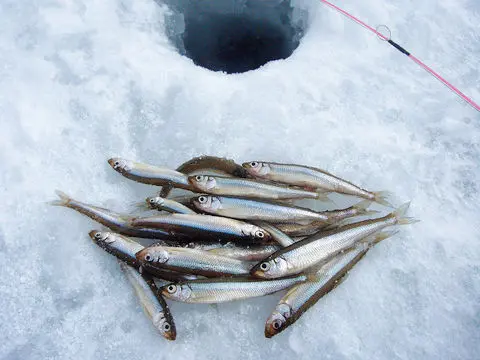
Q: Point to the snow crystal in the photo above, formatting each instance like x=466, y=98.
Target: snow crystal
x=84, y=80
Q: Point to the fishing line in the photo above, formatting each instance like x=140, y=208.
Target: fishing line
x=388, y=39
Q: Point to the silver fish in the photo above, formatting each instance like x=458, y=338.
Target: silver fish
x=152, y=302
x=208, y=164
x=311, y=178
x=306, y=253
x=125, y=249
x=218, y=185
x=211, y=291
x=120, y=246
x=248, y=253
x=149, y=174
x=303, y=296
x=119, y=223
x=160, y=203
x=191, y=261
x=249, y=209
x=204, y=225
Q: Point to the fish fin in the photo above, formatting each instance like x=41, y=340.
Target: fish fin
x=139, y=206
x=312, y=275
x=380, y=198
x=214, y=306
x=63, y=201
x=323, y=196
x=287, y=201
x=378, y=237
x=399, y=215
x=166, y=190
x=362, y=208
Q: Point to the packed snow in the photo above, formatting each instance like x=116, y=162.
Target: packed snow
x=84, y=80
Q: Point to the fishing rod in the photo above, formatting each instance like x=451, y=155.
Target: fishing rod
x=405, y=52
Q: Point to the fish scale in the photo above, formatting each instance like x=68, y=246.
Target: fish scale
x=206, y=224
x=248, y=209
x=223, y=290
x=192, y=261
x=248, y=188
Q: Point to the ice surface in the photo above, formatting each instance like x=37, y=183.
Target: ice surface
x=81, y=81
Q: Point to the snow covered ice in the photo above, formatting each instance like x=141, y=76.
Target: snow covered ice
x=82, y=81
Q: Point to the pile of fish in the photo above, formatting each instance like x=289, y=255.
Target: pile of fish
x=234, y=232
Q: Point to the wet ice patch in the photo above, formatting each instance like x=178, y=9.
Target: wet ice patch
x=235, y=36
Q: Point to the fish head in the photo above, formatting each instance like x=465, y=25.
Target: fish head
x=155, y=201
x=165, y=326
x=202, y=182
x=101, y=237
x=178, y=292
x=256, y=233
x=207, y=202
x=277, y=322
x=257, y=168
x=154, y=254
x=270, y=268
x=121, y=165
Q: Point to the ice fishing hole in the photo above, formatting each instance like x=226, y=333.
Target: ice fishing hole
x=235, y=36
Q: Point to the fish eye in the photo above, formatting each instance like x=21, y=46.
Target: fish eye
x=148, y=257
x=202, y=199
x=260, y=234
x=166, y=327
x=277, y=324
x=152, y=201
x=254, y=164
x=98, y=235
x=116, y=163
x=265, y=266
x=171, y=289
x=199, y=177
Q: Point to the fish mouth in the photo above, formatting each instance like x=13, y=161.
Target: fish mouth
x=258, y=273
x=112, y=162
x=270, y=331
x=95, y=239
x=191, y=180
x=140, y=256
x=170, y=335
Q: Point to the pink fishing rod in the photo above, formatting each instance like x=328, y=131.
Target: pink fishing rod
x=405, y=52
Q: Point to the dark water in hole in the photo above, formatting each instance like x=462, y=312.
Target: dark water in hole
x=235, y=44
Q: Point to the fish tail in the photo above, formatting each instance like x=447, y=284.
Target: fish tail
x=382, y=236
x=399, y=215
x=381, y=196
x=362, y=208
x=63, y=201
